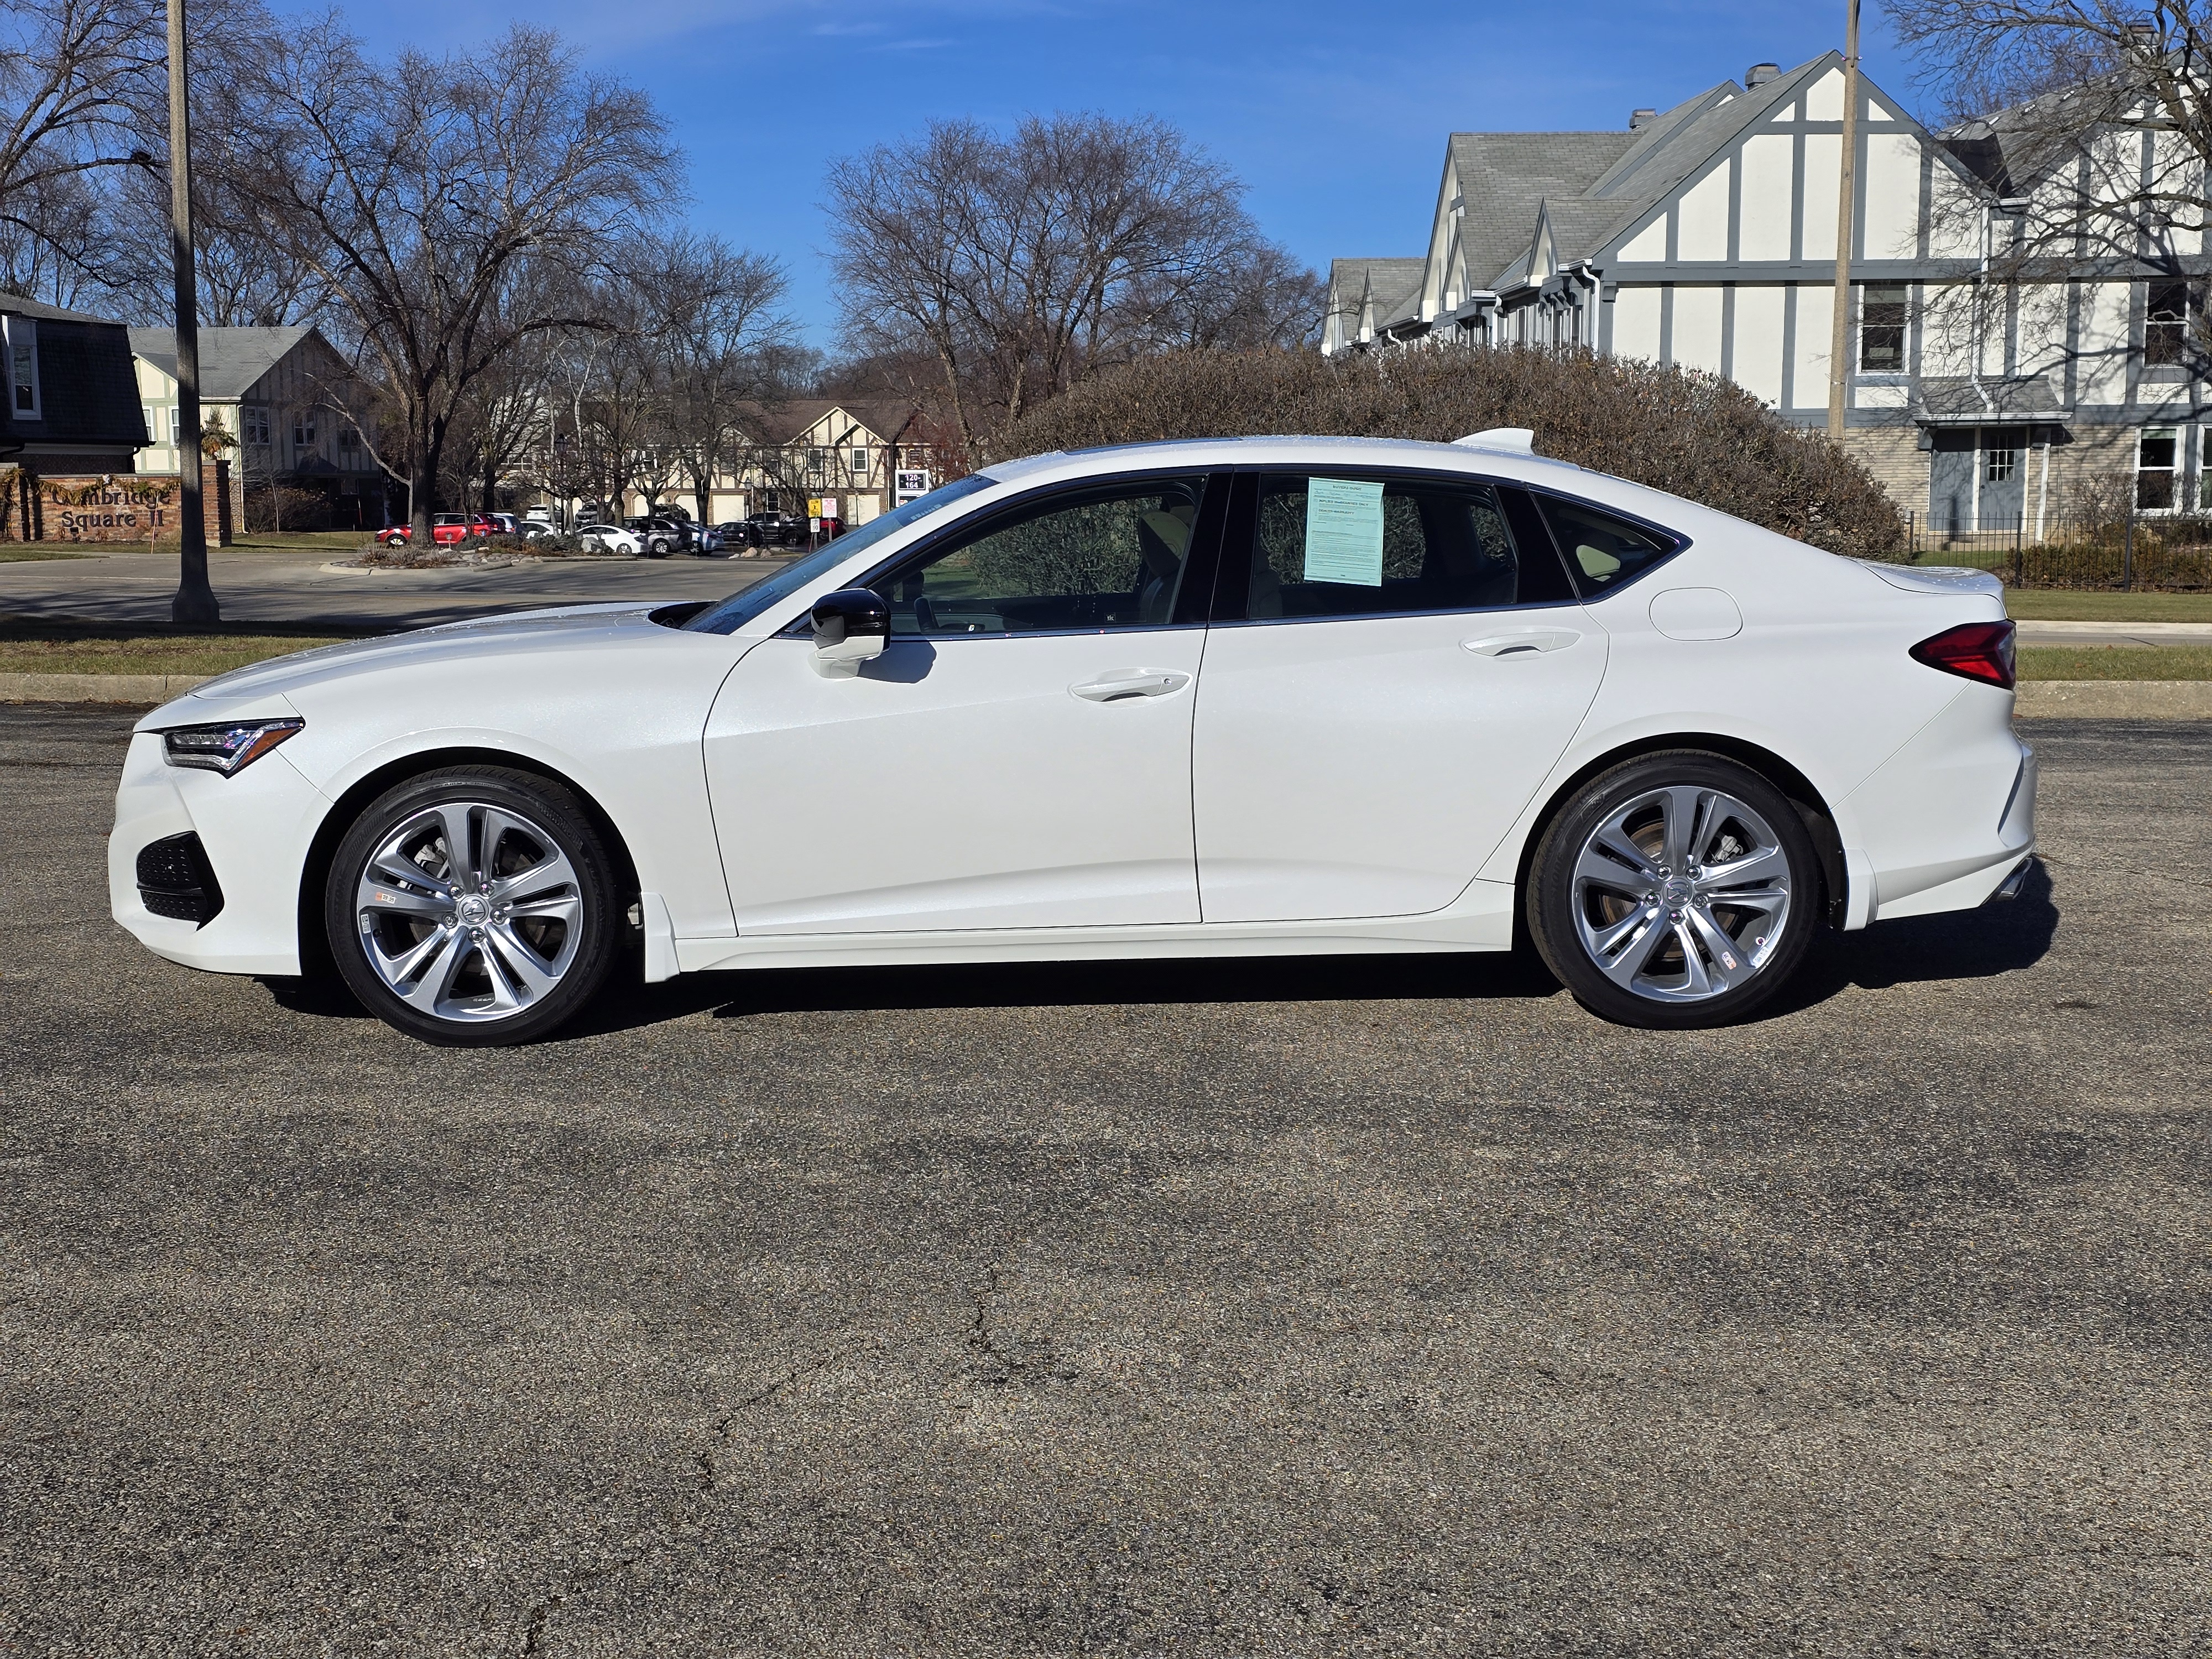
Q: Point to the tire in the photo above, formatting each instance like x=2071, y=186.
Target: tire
x=1677, y=891
x=656, y=549
x=498, y=979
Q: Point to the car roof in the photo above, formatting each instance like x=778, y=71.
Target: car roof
x=1286, y=449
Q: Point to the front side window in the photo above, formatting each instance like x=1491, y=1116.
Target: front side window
x=256, y=422
x=1604, y=552
x=2157, y=455
x=176, y=424
x=1107, y=558
x=1881, y=328
x=1999, y=464
x=861, y=463
x=2165, y=325
x=303, y=429
x=1329, y=547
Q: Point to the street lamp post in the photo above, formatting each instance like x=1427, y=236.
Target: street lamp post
x=195, y=601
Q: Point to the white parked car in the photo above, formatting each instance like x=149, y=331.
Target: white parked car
x=610, y=539
x=1228, y=699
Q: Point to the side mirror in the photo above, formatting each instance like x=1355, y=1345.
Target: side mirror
x=851, y=626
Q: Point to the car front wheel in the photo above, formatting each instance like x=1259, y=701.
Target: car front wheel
x=1677, y=890
x=473, y=907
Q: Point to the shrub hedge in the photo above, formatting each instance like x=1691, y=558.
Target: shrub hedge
x=1691, y=433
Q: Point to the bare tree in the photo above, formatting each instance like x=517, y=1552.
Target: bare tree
x=713, y=339
x=1021, y=264
x=430, y=196
x=2088, y=122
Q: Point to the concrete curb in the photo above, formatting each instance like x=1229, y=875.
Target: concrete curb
x=2114, y=700
x=97, y=688
x=2106, y=700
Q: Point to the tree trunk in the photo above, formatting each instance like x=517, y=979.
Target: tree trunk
x=421, y=462
x=490, y=490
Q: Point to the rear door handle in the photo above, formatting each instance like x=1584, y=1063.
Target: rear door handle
x=1118, y=683
x=1521, y=642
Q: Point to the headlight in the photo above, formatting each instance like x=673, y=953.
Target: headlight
x=225, y=749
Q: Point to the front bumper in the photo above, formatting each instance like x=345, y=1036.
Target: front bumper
x=254, y=830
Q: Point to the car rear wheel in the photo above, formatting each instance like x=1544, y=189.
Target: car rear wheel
x=473, y=907
x=1679, y=890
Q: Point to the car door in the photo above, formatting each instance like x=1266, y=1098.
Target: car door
x=1018, y=756
x=1397, y=662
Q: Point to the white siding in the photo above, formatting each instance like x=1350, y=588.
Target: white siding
x=1891, y=228
x=1758, y=357
x=1824, y=159
x=1947, y=331
x=1635, y=323
x=1649, y=243
x=1766, y=184
x=2103, y=375
x=1824, y=99
x=2043, y=328
x=1954, y=217
x=1704, y=218
x=1816, y=311
x=1698, y=328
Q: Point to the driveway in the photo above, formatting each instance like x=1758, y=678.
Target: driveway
x=1351, y=1306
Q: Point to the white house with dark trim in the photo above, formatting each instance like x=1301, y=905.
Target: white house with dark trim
x=1705, y=235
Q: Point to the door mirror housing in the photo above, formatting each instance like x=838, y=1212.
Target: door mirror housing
x=851, y=626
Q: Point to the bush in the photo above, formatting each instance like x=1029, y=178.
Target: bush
x=302, y=510
x=1693, y=434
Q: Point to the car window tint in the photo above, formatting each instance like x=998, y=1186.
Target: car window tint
x=1111, y=556
x=1604, y=551
x=1332, y=547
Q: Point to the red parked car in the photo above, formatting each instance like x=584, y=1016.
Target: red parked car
x=446, y=529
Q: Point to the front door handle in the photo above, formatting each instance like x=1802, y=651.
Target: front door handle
x=1521, y=642
x=1118, y=683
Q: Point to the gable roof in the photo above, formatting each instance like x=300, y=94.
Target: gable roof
x=884, y=419
x=19, y=304
x=1503, y=179
x=231, y=359
x=1389, y=286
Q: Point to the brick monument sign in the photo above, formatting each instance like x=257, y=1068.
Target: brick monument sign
x=121, y=507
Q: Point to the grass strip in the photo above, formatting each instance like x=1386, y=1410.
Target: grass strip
x=2063, y=605
x=2116, y=662
x=25, y=552
x=61, y=645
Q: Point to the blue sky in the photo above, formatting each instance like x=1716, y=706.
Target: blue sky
x=1336, y=124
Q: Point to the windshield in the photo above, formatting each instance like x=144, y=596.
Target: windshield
x=740, y=608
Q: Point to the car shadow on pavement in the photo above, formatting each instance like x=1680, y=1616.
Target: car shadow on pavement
x=752, y=992
x=1997, y=939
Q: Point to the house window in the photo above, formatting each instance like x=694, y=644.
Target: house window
x=1998, y=465
x=23, y=368
x=861, y=463
x=348, y=439
x=1881, y=328
x=153, y=423
x=256, y=422
x=303, y=429
x=2157, y=455
x=2165, y=325
x=176, y=424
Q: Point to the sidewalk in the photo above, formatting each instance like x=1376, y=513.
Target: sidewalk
x=2115, y=633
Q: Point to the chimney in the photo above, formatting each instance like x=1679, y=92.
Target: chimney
x=1636, y=117
x=1760, y=74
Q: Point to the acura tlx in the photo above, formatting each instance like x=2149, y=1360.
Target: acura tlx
x=1230, y=698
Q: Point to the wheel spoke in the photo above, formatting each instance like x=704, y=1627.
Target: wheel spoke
x=1693, y=963
x=1761, y=866
x=552, y=873
x=1766, y=899
x=1685, y=811
x=395, y=869
x=513, y=953
x=1597, y=867
x=461, y=870
x=381, y=899
x=1611, y=839
x=441, y=955
x=1728, y=957
x=1624, y=968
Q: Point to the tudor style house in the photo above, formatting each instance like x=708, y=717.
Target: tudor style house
x=853, y=459
x=277, y=392
x=1705, y=235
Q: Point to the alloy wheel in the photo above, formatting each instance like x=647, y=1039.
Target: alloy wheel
x=469, y=912
x=1681, y=894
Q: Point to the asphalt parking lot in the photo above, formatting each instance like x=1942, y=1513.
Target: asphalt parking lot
x=1373, y=1307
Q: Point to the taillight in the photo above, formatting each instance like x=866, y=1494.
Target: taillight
x=1979, y=651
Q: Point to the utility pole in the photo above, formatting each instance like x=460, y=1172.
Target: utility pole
x=1839, y=332
x=195, y=601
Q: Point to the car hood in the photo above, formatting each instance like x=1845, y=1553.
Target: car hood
x=517, y=633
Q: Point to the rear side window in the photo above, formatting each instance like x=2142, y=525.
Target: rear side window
x=1329, y=546
x=1604, y=551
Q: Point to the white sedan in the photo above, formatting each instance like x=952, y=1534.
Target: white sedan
x=1229, y=699
x=610, y=539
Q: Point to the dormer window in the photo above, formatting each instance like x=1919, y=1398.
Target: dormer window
x=2165, y=325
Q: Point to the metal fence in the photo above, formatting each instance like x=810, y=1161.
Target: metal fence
x=2167, y=552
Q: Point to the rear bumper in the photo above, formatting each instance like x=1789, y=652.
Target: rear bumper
x=1946, y=821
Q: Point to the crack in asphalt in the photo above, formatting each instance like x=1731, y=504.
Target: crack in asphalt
x=984, y=1341
x=579, y=1580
